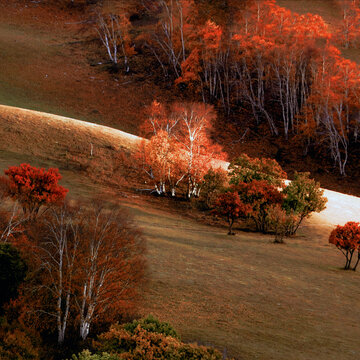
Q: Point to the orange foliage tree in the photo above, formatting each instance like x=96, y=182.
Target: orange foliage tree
x=33, y=187
x=180, y=148
x=273, y=63
x=329, y=115
x=347, y=239
x=261, y=196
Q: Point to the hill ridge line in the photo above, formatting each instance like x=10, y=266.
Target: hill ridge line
x=73, y=120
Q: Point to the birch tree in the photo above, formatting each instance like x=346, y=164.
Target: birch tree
x=113, y=31
x=111, y=265
x=56, y=252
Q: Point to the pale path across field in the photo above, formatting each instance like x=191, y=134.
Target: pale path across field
x=340, y=207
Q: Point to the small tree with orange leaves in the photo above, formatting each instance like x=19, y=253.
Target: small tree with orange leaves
x=347, y=239
x=231, y=207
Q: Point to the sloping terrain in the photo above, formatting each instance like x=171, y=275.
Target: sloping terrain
x=30, y=132
x=250, y=298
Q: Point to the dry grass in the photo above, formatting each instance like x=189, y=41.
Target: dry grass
x=244, y=294
x=49, y=62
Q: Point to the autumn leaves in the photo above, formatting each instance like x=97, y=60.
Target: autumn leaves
x=85, y=261
x=180, y=149
x=265, y=63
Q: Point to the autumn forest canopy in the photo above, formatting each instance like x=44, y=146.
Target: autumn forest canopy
x=260, y=65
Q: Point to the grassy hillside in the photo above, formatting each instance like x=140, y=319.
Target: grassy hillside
x=244, y=294
x=50, y=62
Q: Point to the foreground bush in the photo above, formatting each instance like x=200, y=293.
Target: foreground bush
x=151, y=324
x=146, y=339
x=87, y=355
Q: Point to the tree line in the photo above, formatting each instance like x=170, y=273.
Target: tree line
x=254, y=60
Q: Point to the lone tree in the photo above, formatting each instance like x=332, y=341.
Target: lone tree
x=33, y=187
x=303, y=196
x=231, y=207
x=347, y=239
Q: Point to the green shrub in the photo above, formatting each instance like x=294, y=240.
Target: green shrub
x=246, y=169
x=151, y=324
x=302, y=197
x=214, y=183
x=87, y=355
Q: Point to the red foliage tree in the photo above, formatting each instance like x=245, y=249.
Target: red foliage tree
x=33, y=187
x=260, y=195
x=347, y=239
x=231, y=207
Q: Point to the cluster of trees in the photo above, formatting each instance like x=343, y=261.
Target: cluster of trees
x=180, y=149
x=79, y=265
x=257, y=191
x=255, y=58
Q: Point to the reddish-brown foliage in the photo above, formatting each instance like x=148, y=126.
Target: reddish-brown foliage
x=33, y=187
x=260, y=195
x=150, y=341
x=86, y=267
x=231, y=207
x=347, y=239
